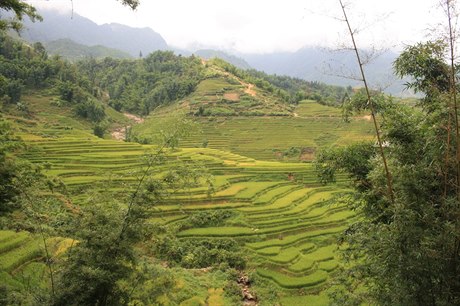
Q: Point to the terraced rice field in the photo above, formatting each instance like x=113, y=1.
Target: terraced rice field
x=269, y=138
x=285, y=220
x=22, y=257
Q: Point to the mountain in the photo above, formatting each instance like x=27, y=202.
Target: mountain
x=331, y=67
x=84, y=31
x=308, y=63
x=232, y=59
x=73, y=51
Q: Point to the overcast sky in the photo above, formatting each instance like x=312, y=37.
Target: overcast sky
x=264, y=26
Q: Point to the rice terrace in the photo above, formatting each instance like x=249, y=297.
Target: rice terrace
x=169, y=177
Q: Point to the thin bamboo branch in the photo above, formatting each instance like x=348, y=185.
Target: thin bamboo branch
x=45, y=244
x=371, y=104
x=453, y=92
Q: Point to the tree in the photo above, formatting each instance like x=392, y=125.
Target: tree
x=133, y=4
x=9, y=169
x=370, y=102
x=406, y=251
x=20, y=9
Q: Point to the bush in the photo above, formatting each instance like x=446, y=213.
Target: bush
x=222, y=253
x=91, y=110
x=14, y=90
x=207, y=218
x=99, y=130
x=66, y=91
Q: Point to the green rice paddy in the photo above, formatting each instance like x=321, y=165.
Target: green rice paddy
x=285, y=220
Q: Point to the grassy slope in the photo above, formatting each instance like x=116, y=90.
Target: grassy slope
x=235, y=116
x=270, y=137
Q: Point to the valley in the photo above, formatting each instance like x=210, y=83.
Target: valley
x=284, y=221
x=135, y=173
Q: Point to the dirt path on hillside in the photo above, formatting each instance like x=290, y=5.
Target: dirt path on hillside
x=120, y=132
x=249, y=89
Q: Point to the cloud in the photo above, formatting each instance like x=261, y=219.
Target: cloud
x=260, y=25
x=61, y=7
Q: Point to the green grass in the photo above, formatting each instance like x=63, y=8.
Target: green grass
x=270, y=251
x=291, y=253
x=267, y=138
x=314, y=300
x=310, y=108
x=217, y=232
x=307, y=260
x=269, y=204
x=286, y=255
x=295, y=238
x=13, y=241
x=282, y=202
x=293, y=282
x=27, y=250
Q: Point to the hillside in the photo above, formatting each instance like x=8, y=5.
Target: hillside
x=81, y=30
x=235, y=115
x=331, y=67
x=73, y=51
x=257, y=205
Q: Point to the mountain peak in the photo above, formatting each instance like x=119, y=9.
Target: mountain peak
x=86, y=32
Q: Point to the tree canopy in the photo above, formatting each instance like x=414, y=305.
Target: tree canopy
x=405, y=251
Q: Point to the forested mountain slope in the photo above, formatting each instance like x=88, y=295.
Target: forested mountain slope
x=58, y=25
x=73, y=51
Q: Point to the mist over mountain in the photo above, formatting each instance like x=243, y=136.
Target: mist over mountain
x=73, y=51
x=331, y=67
x=82, y=30
x=229, y=58
x=308, y=63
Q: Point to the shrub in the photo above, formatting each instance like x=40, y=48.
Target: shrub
x=91, y=110
x=99, y=130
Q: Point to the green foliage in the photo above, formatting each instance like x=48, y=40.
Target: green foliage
x=99, y=130
x=359, y=103
x=405, y=251
x=20, y=9
x=99, y=261
x=15, y=175
x=14, y=90
x=142, y=85
x=23, y=67
x=424, y=62
x=205, y=218
x=295, y=90
x=66, y=91
x=91, y=110
x=354, y=160
x=201, y=253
